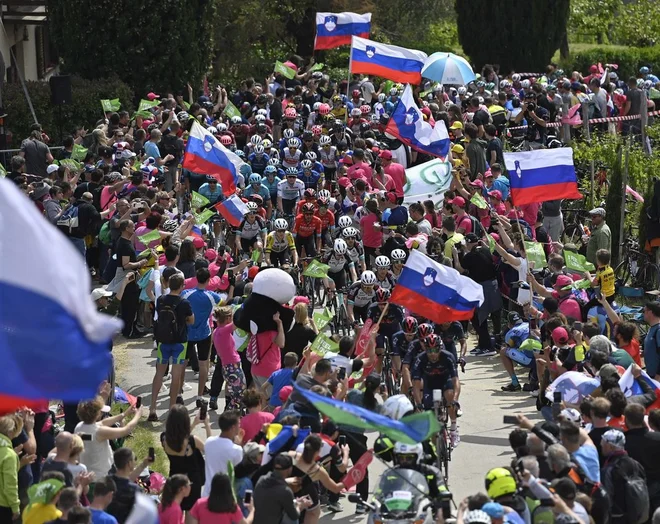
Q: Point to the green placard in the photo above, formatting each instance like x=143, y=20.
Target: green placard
x=147, y=104
x=479, y=201
x=577, y=262
x=491, y=243
x=323, y=345
x=579, y=284
x=78, y=153
x=316, y=67
x=144, y=114
x=110, y=106
x=150, y=237
x=316, y=270
x=285, y=71
x=321, y=318
x=535, y=254
x=198, y=200
x=71, y=164
x=202, y=217
x=231, y=110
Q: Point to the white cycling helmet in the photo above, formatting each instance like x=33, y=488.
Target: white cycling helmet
x=281, y=224
x=394, y=91
x=310, y=155
x=252, y=207
x=262, y=112
x=515, y=77
x=368, y=278
x=462, y=90
x=212, y=130
x=292, y=142
x=345, y=221
x=324, y=193
x=407, y=455
x=260, y=118
x=382, y=262
x=235, y=120
x=398, y=254
x=325, y=140
x=259, y=150
x=397, y=406
x=221, y=127
x=255, y=140
x=288, y=133
x=525, y=84
x=306, y=164
x=355, y=112
x=381, y=98
x=477, y=516
x=340, y=246
x=349, y=232
x=316, y=106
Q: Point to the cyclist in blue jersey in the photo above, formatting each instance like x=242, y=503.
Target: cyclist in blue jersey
x=390, y=322
x=510, y=353
x=258, y=159
x=255, y=187
x=415, y=349
x=270, y=181
x=401, y=341
x=310, y=178
x=212, y=190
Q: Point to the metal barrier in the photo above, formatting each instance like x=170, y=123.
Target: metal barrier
x=6, y=154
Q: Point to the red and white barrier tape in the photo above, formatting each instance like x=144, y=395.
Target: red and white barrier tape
x=594, y=120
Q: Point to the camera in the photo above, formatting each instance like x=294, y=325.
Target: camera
x=531, y=106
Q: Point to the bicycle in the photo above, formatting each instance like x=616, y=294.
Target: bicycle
x=443, y=439
x=312, y=287
x=339, y=324
x=389, y=377
x=636, y=269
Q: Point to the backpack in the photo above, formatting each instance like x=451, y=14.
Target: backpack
x=104, y=233
x=166, y=329
x=477, y=228
x=637, y=500
x=68, y=220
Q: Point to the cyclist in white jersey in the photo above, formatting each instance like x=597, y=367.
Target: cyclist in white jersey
x=289, y=191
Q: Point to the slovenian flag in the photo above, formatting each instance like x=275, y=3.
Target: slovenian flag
x=207, y=156
x=232, y=209
x=435, y=291
x=541, y=175
x=388, y=61
x=54, y=344
x=408, y=125
x=335, y=29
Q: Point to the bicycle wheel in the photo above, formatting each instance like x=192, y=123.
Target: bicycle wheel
x=321, y=292
x=649, y=277
x=443, y=453
x=622, y=274
x=308, y=287
x=342, y=317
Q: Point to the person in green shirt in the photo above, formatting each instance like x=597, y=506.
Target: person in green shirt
x=453, y=238
x=601, y=236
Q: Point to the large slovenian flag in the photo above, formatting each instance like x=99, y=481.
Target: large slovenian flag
x=408, y=125
x=336, y=29
x=541, y=175
x=233, y=209
x=54, y=343
x=207, y=156
x=435, y=291
x=389, y=61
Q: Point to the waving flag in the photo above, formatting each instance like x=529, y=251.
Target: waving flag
x=54, y=343
x=408, y=125
x=435, y=291
x=233, y=210
x=573, y=386
x=336, y=29
x=389, y=61
x=207, y=156
x=541, y=175
x=409, y=430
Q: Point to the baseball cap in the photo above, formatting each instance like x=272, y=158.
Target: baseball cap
x=252, y=450
x=459, y=201
x=198, y=243
x=457, y=148
x=478, y=183
x=152, y=96
x=615, y=438
x=210, y=254
x=597, y=211
x=488, y=173
x=560, y=335
x=471, y=238
x=495, y=193
x=387, y=155
x=563, y=280
x=571, y=414
x=494, y=510
x=576, y=86
x=456, y=125
x=52, y=168
x=100, y=292
x=252, y=272
x=514, y=318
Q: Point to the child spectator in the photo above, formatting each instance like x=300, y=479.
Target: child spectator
x=176, y=489
x=256, y=418
x=230, y=372
x=279, y=379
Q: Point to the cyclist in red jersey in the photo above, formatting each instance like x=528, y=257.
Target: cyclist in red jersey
x=306, y=229
x=309, y=198
x=327, y=220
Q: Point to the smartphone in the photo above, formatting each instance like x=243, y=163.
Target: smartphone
x=520, y=468
x=510, y=419
x=556, y=397
x=341, y=374
x=85, y=436
x=342, y=440
x=533, y=324
x=577, y=326
x=598, y=294
x=152, y=454
x=138, y=403
x=203, y=411
x=248, y=496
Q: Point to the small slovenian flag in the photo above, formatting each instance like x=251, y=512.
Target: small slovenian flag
x=196, y=231
x=388, y=61
x=233, y=209
x=542, y=175
x=435, y=291
x=336, y=29
x=207, y=156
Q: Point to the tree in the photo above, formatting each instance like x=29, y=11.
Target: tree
x=519, y=35
x=157, y=45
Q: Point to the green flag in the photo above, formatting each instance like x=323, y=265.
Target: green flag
x=198, y=200
x=3, y=171
x=323, y=345
x=577, y=262
x=78, y=153
x=71, y=164
x=150, y=237
x=479, y=201
x=584, y=283
x=535, y=254
x=316, y=269
x=144, y=114
x=531, y=344
x=491, y=243
x=284, y=70
x=231, y=110
x=322, y=318
x=109, y=106
x=316, y=67
x=202, y=217
x=388, y=85
x=255, y=256
x=147, y=104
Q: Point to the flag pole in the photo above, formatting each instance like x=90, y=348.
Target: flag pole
x=348, y=80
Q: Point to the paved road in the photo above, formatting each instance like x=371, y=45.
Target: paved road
x=484, y=443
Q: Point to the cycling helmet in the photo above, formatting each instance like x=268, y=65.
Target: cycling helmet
x=504, y=84
x=397, y=407
x=311, y=156
x=270, y=169
x=368, y=278
x=317, y=130
x=290, y=112
x=340, y=246
x=291, y=171
x=410, y=325
x=490, y=86
x=262, y=111
x=306, y=164
x=500, y=482
x=394, y=91
x=236, y=120
x=462, y=90
x=398, y=254
x=254, y=179
x=245, y=170
x=476, y=516
x=221, y=127
x=481, y=83
x=255, y=140
x=525, y=84
x=424, y=330
x=170, y=226
x=324, y=193
x=281, y=224
x=644, y=70
x=433, y=341
x=316, y=106
x=365, y=109
x=481, y=100
x=274, y=162
x=239, y=153
x=259, y=118
x=355, y=93
x=266, y=143
x=339, y=124
x=288, y=133
x=259, y=150
x=336, y=98
x=323, y=202
x=381, y=98
x=349, y=232
x=211, y=130
x=325, y=140
x=355, y=112
x=324, y=109
x=345, y=221
x=382, y=262
x=382, y=294
x=364, y=127
x=225, y=140
x=182, y=116
x=407, y=455
x=308, y=208
x=252, y=207
x=310, y=192
x=515, y=77
x=292, y=142
x=258, y=199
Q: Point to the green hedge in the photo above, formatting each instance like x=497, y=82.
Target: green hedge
x=85, y=109
x=629, y=59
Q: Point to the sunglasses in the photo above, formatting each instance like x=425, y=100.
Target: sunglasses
x=433, y=350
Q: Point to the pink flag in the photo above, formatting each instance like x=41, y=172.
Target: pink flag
x=634, y=194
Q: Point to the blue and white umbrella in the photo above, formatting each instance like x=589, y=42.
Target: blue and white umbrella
x=448, y=68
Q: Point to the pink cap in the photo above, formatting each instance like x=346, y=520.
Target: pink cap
x=210, y=254
x=285, y=392
x=198, y=243
x=386, y=154
x=495, y=193
x=152, y=96
x=562, y=281
x=458, y=201
x=477, y=183
x=344, y=182
x=559, y=335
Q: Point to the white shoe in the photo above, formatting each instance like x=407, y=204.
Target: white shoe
x=167, y=377
x=534, y=393
x=186, y=386
x=455, y=438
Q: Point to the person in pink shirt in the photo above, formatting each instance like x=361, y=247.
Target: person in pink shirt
x=496, y=202
x=381, y=181
x=151, y=224
x=396, y=171
x=177, y=488
x=359, y=163
x=256, y=418
x=529, y=213
x=230, y=371
x=269, y=345
x=372, y=230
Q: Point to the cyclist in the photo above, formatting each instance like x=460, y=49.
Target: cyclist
x=356, y=120
x=390, y=322
x=252, y=231
x=384, y=278
x=307, y=231
x=280, y=245
x=260, y=206
x=338, y=109
x=339, y=263
x=401, y=341
x=398, y=260
x=308, y=144
x=240, y=131
x=415, y=349
x=452, y=333
x=291, y=154
x=286, y=135
x=255, y=187
x=270, y=150
x=289, y=192
x=270, y=180
x=328, y=154
x=327, y=220
x=310, y=178
x=309, y=197
x=258, y=159
x=312, y=156
x=211, y=190
x=343, y=222
x=355, y=248
x=359, y=297
x=436, y=369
